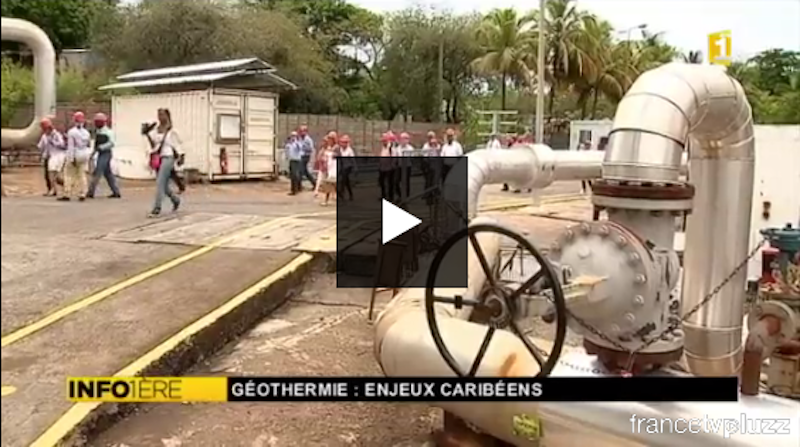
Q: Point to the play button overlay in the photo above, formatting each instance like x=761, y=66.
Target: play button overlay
x=395, y=221
x=399, y=215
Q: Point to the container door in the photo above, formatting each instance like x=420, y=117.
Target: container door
x=259, y=135
x=227, y=152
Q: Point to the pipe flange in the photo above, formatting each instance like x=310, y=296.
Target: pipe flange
x=643, y=190
x=627, y=203
x=775, y=309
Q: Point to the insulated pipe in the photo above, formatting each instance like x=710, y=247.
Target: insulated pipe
x=44, y=57
x=527, y=166
x=700, y=107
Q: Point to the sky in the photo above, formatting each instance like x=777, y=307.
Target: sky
x=755, y=25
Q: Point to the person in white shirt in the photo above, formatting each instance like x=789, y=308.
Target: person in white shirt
x=79, y=151
x=494, y=143
x=386, y=167
x=53, y=149
x=166, y=145
x=450, y=149
x=348, y=167
x=405, y=150
x=431, y=146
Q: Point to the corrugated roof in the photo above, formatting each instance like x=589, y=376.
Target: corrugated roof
x=209, y=77
x=201, y=78
x=236, y=64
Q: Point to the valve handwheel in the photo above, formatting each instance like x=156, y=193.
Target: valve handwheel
x=501, y=303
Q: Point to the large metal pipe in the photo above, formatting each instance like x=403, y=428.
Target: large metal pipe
x=527, y=166
x=44, y=56
x=701, y=108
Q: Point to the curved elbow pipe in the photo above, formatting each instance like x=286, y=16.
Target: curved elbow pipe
x=44, y=75
x=527, y=166
x=702, y=109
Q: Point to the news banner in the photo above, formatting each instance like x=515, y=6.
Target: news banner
x=409, y=389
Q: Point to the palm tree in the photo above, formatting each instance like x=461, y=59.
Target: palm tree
x=567, y=51
x=693, y=57
x=504, y=38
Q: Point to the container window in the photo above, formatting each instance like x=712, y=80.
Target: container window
x=229, y=128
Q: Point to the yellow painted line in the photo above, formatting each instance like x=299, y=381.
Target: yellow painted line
x=80, y=411
x=58, y=315
x=8, y=390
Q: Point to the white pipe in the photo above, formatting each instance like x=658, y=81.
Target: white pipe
x=527, y=166
x=700, y=107
x=45, y=77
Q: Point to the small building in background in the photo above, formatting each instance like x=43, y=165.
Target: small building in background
x=226, y=114
x=79, y=59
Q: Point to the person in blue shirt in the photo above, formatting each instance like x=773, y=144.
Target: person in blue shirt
x=294, y=153
x=103, y=145
x=307, y=147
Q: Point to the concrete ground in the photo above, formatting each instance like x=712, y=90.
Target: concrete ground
x=322, y=331
x=55, y=255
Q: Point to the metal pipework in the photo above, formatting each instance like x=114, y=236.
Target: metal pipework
x=700, y=107
x=44, y=56
x=528, y=166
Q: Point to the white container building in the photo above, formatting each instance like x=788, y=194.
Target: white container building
x=226, y=114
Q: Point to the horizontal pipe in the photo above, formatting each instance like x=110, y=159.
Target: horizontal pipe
x=527, y=166
x=44, y=55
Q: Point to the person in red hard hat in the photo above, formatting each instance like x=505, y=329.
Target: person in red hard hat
x=79, y=151
x=103, y=145
x=54, y=150
x=386, y=167
x=405, y=150
x=348, y=167
x=326, y=167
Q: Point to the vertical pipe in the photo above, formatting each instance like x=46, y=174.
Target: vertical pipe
x=44, y=55
x=540, y=76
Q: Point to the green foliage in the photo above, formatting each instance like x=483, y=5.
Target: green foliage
x=72, y=86
x=420, y=64
x=66, y=22
x=17, y=89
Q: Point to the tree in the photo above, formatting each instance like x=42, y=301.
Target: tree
x=505, y=38
x=693, y=57
x=776, y=68
x=66, y=22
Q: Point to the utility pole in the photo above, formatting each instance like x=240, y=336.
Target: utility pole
x=540, y=78
x=439, y=85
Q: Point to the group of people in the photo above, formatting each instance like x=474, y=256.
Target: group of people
x=319, y=165
x=495, y=143
x=329, y=181
x=66, y=159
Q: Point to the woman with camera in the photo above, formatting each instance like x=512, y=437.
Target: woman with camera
x=165, y=154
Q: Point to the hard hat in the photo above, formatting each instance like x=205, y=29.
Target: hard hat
x=100, y=118
x=450, y=132
x=405, y=136
x=78, y=117
x=345, y=138
x=46, y=123
x=431, y=135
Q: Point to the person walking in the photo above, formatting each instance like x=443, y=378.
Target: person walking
x=166, y=146
x=386, y=167
x=103, y=146
x=307, y=147
x=79, y=152
x=319, y=160
x=450, y=149
x=294, y=155
x=53, y=149
x=348, y=167
x=327, y=171
x=585, y=184
x=405, y=150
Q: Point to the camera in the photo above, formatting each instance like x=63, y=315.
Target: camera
x=147, y=127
